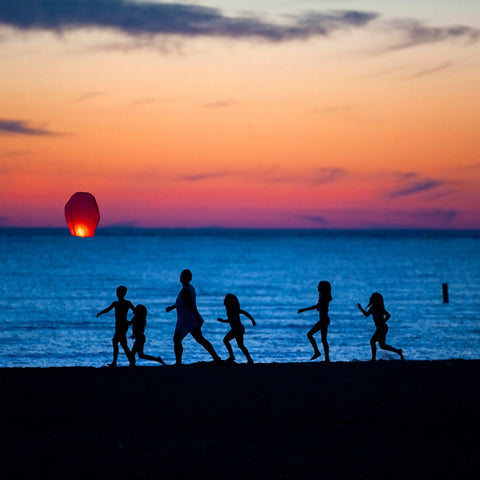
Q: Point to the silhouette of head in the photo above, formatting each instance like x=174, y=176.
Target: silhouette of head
x=140, y=311
x=121, y=291
x=186, y=276
x=140, y=318
x=376, y=301
x=325, y=290
x=231, y=303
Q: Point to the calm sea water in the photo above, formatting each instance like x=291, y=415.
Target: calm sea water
x=53, y=285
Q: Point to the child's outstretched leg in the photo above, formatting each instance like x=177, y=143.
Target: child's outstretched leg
x=144, y=356
x=228, y=337
x=316, y=351
x=139, y=349
x=243, y=348
x=398, y=351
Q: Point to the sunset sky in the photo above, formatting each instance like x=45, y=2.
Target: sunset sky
x=265, y=113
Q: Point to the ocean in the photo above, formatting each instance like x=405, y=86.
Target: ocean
x=53, y=285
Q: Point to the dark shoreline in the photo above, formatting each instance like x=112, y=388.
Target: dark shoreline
x=391, y=419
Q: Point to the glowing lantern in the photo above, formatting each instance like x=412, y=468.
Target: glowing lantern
x=82, y=214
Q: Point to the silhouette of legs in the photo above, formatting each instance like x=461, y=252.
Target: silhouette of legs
x=380, y=337
x=243, y=348
x=115, y=355
x=178, y=348
x=373, y=346
x=138, y=348
x=326, y=347
x=198, y=336
x=238, y=336
x=316, y=352
x=398, y=351
x=229, y=336
x=128, y=352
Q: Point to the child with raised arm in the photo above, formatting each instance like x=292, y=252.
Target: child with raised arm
x=376, y=308
x=139, y=322
x=121, y=307
x=237, y=330
x=324, y=299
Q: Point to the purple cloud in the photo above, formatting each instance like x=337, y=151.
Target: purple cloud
x=415, y=33
x=416, y=187
x=435, y=216
x=318, y=219
x=150, y=18
x=199, y=177
x=20, y=127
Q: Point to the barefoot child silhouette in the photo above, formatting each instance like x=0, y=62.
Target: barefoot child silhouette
x=237, y=330
x=324, y=298
x=139, y=322
x=121, y=307
x=376, y=308
x=189, y=319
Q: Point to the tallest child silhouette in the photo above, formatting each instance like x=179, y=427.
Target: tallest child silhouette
x=189, y=319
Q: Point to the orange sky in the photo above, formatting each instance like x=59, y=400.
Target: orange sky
x=357, y=123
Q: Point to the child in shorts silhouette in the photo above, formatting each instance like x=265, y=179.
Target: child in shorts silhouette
x=121, y=307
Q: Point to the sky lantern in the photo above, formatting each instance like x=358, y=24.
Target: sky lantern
x=82, y=214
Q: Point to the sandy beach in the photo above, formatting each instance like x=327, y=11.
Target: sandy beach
x=355, y=420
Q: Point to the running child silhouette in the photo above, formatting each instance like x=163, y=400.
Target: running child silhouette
x=324, y=299
x=376, y=308
x=121, y=307
x=139, y=322
x=189, y=319
x=237, y=330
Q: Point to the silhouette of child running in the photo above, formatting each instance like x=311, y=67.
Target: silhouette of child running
x=237, y=330
x=139, y=322
x=121, y=307
x=189, y=319
x=324, y=298
x=376, y=308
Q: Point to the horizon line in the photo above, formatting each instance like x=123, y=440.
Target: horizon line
x=226, y=228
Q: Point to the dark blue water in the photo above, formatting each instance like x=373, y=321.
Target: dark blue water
x=53, y=285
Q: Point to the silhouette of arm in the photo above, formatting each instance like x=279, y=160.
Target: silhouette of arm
x=170, y=308
x=131, y=307
x=364, y=311
x=222, y=320
x=254, y=323
x=313, y=307
x=106, y=309
x=387, y=316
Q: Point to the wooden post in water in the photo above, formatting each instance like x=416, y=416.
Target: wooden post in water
x=445, y=292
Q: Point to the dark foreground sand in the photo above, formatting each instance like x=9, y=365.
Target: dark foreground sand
x=341, y=421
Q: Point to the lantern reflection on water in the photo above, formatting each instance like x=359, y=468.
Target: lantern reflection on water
x=82, y=214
